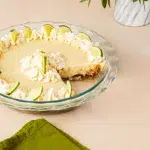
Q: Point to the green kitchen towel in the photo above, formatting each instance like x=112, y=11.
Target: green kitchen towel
x=40, y=135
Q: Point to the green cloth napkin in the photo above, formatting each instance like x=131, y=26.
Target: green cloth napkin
x=40, y=135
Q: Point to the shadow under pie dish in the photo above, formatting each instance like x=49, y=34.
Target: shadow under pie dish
x=53, y=66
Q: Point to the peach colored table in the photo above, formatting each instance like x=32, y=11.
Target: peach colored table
x=120, y=118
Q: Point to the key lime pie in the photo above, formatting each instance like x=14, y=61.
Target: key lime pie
x=39, y=64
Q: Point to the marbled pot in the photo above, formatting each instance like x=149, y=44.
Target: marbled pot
x=132, y=14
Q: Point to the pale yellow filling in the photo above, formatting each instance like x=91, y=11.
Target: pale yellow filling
x=76, y=61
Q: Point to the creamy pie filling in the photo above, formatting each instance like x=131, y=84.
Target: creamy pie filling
x=66, y=53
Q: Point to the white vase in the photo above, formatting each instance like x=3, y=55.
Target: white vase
x=132, y=14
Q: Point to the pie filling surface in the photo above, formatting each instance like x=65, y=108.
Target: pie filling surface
x=35, y=62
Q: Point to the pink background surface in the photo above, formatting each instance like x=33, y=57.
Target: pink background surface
x=120, y=118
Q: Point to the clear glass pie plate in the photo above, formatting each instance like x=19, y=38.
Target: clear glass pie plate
x=86, y=90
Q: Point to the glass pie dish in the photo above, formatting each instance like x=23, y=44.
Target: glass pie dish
x=86, y=89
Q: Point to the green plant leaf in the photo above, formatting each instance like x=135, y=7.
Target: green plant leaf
x=104, y=3
x=83, y=0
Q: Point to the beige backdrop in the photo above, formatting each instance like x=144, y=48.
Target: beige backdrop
x=120, y=118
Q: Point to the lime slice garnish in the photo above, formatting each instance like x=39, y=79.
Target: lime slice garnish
x=47, y=28
x=13, y=36
x=44, y=64
x=83, y=36
x=69, y=87
x=35, y=94
x=63, y=29
x=13, y=88
x=96, y=51
x=27, y=32
x=44, y=61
